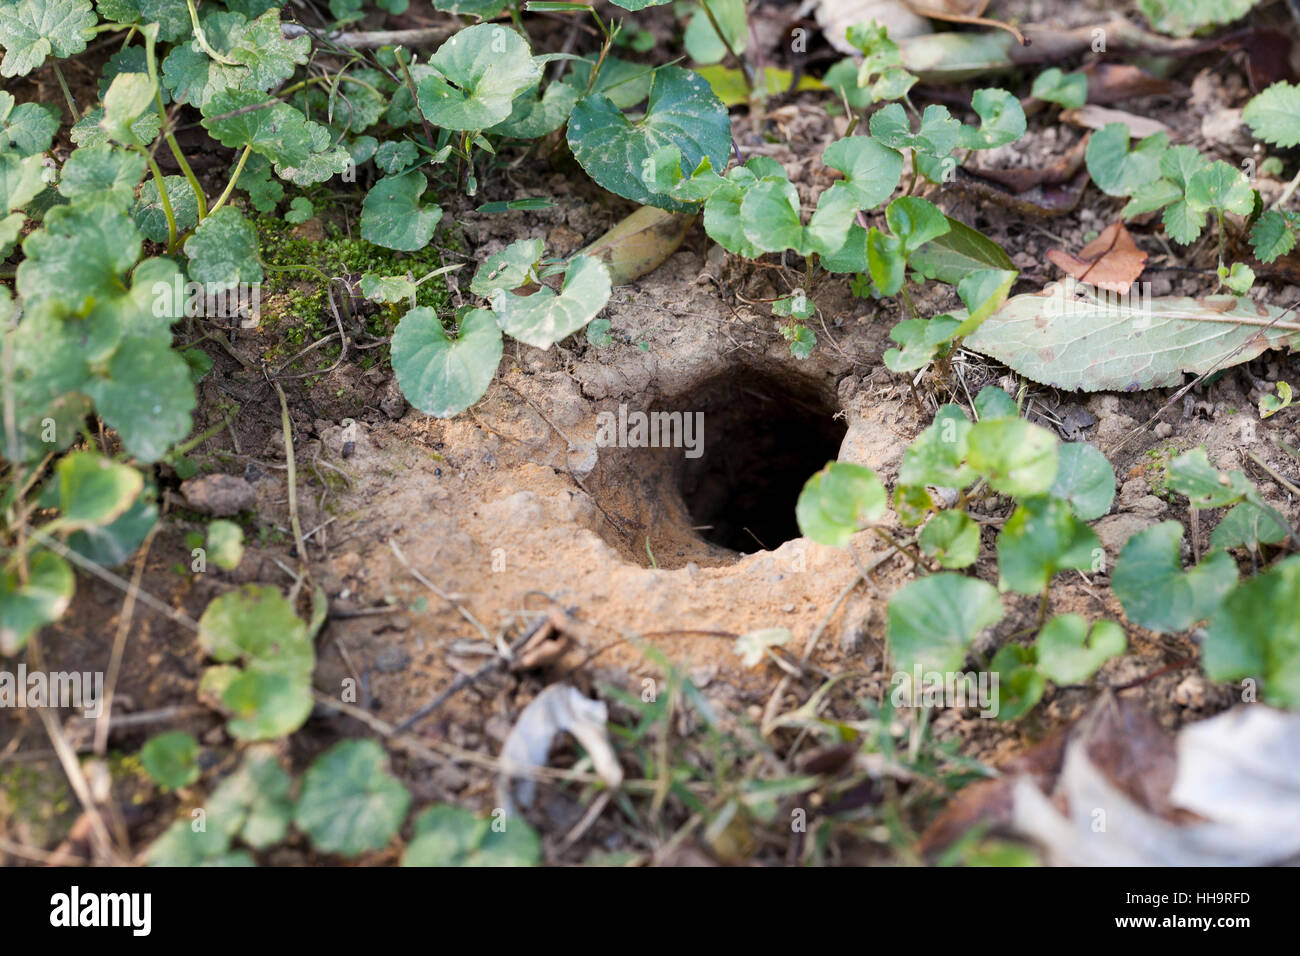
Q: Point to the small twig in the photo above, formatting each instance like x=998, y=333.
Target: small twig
x=464, y=612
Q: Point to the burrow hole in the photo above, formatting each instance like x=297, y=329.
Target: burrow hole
x=764, y=436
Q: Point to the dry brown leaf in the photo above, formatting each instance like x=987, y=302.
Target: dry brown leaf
x=1112, y=261
x=962, y=11
x=640, y=243
x=1040, y=201
x=1095, y=117
x=1022, y=178
x=1115, y=82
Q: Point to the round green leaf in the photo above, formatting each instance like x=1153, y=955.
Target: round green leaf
x=1085, y=479
x=225, y=544
x=440, y=375
x=391, y=214
x=93, y=490
x=223, y=250
x=544, y=318
x=933, y=620
x=1256, y=634
x=871, y=169
x=1017, y=458
x=172, y=759
x=452, y=836
x=42, y=600
x=1155, y=591
x=1041, y=538
x=952, y=538
x=837, y=501
x=475, y=77
x=1069, y=654
x=350, y=803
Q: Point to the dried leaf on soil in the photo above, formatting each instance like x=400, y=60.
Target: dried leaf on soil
x=1112, y=261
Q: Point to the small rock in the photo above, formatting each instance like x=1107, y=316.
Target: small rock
x=1164, y=430
x=1115, y=530
x=393, y=402
x=220, y=495
x=1191, y=692
x=1131, y=492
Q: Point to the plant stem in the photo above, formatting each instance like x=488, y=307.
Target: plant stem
x=162, y=193
x=151, y=63
x=1288, y=192
x=202, y=40
x=67, y=93
x=234, y=178
x=717, y=28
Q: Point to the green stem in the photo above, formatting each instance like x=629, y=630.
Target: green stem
x=151, y=63
x=67, y=93
x=234, y=178
x=717, y=28
x=202, y=41
x=162, y=193
x=1288, y=192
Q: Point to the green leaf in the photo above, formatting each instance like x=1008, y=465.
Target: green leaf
x=544, y=318
x=1041, y=538
x=624, y=82
x=79, y=257
x=392, y=217
x=476, y=76
x=914, y=222
x=239, y=118
x=28, y=127
x=1068, y=653
x=1070, y=90
x=128, y=97
x=299, y=211
x=1220, y=186
x=1256, y=634
x=701, y=39
x=93, y=490
x=452, y=836
x=933, y=620
x=1085, y=480
x=952, y=538
x=192, y=76
x=378, y=288
x=102, y=173
x=1204, y=486
x=254, y=803
x=1151, y=196
x=147, y=398
x=682, y=111
x=1074, y=339
x=255, y=625
x=149, y=216
x=225, y=544
x=1185, y=17
x=440, y=375
x=871, y=170
x=958, y=252
x=270, y=57
x=1017, y=458
x=112, y=544
x=992, y=402
x=938, y=133
x=171, y=759
x=25, y=607
x=836, y=502
x=1247, y=525
x=512, y=267
x=1116, y=170
x=31, y=30
x=223, y=250
x=1273, y=235
x=1274, y=115
x=938, y=455
x=886, y=262
x=1183, y=222
x=983, y=292
x=1002, y=121
x=770, y=216
x=350, y=803
x=1239, y=279
x=22, y=179
x=1155, y=591
x=1020, y=685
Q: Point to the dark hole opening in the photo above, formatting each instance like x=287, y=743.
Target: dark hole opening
x=763, y=438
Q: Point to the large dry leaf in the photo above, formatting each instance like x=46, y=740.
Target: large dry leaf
x=1112, y=261
x=1097, y=117
x=558, y=709
x=1115, y=82
x=1020, y=179
x=1071, y=337
x=640, y=243
x=961, y=11
x=1240, y=771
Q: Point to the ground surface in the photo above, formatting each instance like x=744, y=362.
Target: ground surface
x=514, y=511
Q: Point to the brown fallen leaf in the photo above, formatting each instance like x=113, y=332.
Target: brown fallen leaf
x=962, y=11
x=1095, y=117
x=640, y=243
x=1041, y=201
x=1115, y=82
x=1112, y=261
